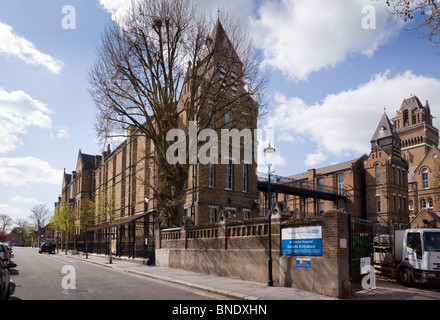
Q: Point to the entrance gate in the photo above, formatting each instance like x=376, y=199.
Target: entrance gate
x=361, y=248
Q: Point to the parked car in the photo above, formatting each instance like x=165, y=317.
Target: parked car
x=9, y=249
x=5, y=280
x=5, y=256
x=46, y=247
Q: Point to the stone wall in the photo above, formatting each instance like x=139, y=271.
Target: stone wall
x=239, y=249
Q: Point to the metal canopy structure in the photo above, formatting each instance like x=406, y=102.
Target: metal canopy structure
x=304, y=189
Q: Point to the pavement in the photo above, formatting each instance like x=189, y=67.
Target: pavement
x=227, y=287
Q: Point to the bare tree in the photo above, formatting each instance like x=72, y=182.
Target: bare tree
x=39, y=216
x=424, y=14
x=5, y=221
x=164, y=64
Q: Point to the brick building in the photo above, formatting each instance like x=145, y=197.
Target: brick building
x=121, y=181
x=395, y=186
x=413, y=123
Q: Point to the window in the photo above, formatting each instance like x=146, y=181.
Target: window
x=321, y=184
x=211, y=176
x=398, y=176
x=405, y=118
x=377, y=174
x=321, y=207
x=341, y=205
x=228, y=176
x=425, y=184
x=212, y=214
x=246, y=213
x=378, y=204
x=429, y=203
x=228, y=120
x=411, y=205
x=245, y=180
x=414, y=242
x=423, y=203
x=341, y=183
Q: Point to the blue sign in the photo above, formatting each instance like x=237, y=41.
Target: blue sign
x=303, y=263
x=302, y=241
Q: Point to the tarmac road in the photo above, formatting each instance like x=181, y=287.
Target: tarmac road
x=390, y=289
x=51, y=276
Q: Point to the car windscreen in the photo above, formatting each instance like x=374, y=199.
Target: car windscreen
x=432, y=241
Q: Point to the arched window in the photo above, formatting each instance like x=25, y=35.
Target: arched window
x=425, y=183
x=423, y=203
x=429, y=203
x=405, y=118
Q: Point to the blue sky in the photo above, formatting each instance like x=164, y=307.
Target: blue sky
x=331, y=80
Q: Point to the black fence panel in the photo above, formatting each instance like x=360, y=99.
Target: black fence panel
x=361, y=249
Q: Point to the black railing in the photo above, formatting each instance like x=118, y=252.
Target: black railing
x=300, y=188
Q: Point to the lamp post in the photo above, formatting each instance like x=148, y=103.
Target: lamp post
x=268, y=155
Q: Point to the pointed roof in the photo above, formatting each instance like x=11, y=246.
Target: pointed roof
x=219, y=41
x=88, y=161
x=67, y=178
x=385, y=129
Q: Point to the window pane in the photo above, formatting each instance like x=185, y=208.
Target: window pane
x=228, y=176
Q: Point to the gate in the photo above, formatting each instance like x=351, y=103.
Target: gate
x=361, y=248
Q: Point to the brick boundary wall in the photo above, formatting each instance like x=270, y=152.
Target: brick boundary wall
x=239, y=249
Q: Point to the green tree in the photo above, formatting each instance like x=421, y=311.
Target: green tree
x=87, y=219
x=64, y=221
x=105, y=210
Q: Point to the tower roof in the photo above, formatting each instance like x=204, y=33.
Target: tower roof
x=219, y=42
x=412, y=102
x=385, y=129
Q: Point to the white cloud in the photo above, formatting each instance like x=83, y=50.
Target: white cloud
x=278, y=159
x=20, y=199
x=314, y=159
x=27, y=170
x=115, y=7
x=18, y=111
x=62, y=132
x=300, y=37
x=242, y=8
x=344, y=123
x=13, y=212
x=12, y=44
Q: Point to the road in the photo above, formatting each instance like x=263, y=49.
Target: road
x=389, y=289
x=52, y=276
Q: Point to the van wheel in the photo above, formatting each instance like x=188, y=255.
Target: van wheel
x=405, y=277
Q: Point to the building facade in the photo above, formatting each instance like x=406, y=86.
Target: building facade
x=420, y=139
x=396, y=186
x=121, y=182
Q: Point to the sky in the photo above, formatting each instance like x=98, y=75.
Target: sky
x=336, y=67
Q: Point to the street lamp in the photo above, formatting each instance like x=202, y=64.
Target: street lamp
x=268, y=156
